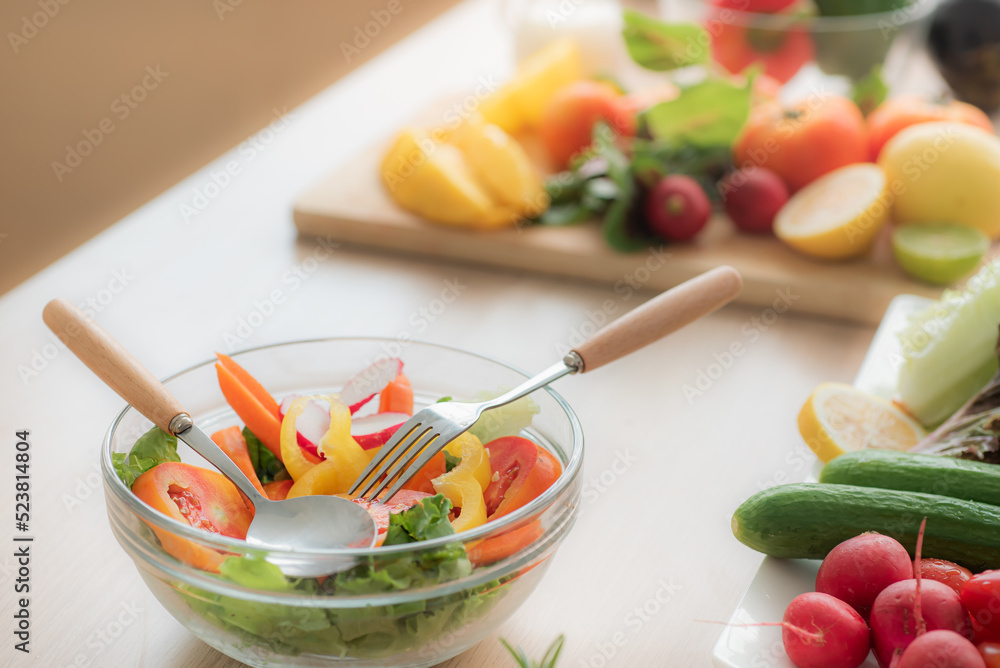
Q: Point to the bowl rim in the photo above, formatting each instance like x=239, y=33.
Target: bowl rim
x=914, y=11
x=571, y=469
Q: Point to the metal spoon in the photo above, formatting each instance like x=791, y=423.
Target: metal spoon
x=303, y=523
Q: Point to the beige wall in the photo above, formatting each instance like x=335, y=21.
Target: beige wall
x=211, y=72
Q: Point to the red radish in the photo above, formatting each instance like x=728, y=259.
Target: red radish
x=372, y=431
x=858, y=569
x=895, y=621
x=941, y=649
x=363, y=387
x=677, y=208
x=820, y=631
x=752, y=198
x=312, y=424
x=945, y=572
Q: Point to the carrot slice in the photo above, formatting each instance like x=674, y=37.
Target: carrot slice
x=232, y=443
x=251, y=384
x=256, y=416
x=491, y=550
x=397, y=397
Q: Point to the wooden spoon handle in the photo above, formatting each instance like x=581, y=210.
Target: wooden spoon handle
x=112, y=363
x=666, y=313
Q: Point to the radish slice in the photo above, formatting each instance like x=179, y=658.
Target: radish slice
x=372, y=431
x=363, y=387
x=312, y=424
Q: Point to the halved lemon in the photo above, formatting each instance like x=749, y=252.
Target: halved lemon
x=838, y=215
x=838, y=418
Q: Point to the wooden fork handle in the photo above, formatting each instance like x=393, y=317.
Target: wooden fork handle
x=111, y=362
x=666, y=313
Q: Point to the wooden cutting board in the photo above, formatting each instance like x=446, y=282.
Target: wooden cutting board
x=351, y=206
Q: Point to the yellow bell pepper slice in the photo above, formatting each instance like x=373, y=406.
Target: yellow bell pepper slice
x=296, y=461
x=345, y=459
x=464, y=484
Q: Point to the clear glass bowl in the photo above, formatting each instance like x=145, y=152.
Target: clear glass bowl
x=828, y=52
x=317, y=624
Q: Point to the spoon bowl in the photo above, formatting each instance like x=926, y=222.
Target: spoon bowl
x=307, y=523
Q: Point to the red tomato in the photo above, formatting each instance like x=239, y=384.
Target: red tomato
x=781, y=52
x=204, y=499
x=945, y=572
x=901, y=112
x=380, y=512
x=803, y=142
x=521, y=471
x=981, y=598
x=990, y=652
x=569, y=119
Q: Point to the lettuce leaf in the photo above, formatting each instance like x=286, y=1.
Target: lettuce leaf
x=370, y=632
x=154, y=447
x=425, y=520
x=506, y=420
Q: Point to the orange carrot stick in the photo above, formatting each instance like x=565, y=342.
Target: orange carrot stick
x=258, y=418
x=397, y=397
x=251, y=384
x=231, y=441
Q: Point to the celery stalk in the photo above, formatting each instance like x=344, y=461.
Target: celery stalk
x=949, y=349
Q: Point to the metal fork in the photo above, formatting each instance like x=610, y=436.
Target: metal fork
x=426, y=433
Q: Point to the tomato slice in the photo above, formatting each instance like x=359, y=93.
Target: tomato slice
x=380, y=512
x=521, y=471
x=205, y=499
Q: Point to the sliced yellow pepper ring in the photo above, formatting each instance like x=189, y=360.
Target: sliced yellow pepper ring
x=297, y=461
x=462, y=484
x=345, y=459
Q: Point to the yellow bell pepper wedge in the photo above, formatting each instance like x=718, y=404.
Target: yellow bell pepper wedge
x=345, y=459
x=296, y=461
x=464, y=484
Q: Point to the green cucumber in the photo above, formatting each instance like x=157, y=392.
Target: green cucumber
x=909, y=472
x=807, y=520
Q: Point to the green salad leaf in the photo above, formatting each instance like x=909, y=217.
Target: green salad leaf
x=661, y=46
x=870, y=91
x=268, y=467
x=425, y=520
x=710, y=113
x=450, y=461
x=154, y=447
x=506, y=420
x=369, y=632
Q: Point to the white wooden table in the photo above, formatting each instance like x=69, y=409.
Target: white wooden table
x=652, y=551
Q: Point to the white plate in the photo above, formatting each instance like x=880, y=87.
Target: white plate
x=778, y=581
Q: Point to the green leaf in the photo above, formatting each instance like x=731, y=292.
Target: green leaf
x=710, y=113
x=425, y=520
x=154, y=447
x=548, y=660
x=442, y=400
x=870, y=91
x=450, y=461
x=268, y=467
x=254, y=572
x=661, y=46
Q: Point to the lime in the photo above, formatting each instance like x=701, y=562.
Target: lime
x=940, y=253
